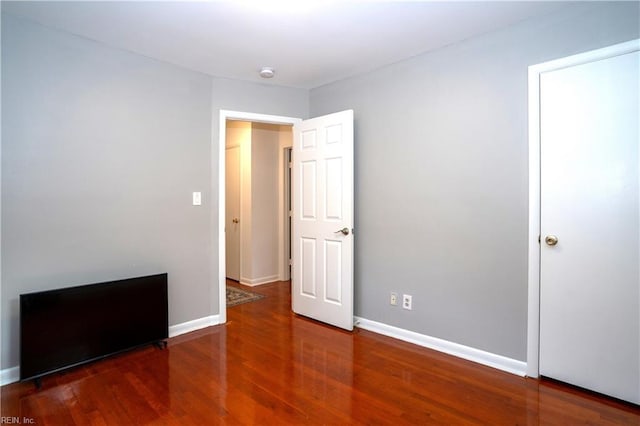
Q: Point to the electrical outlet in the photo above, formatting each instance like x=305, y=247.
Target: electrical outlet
x=393, y=299
x=406, y=301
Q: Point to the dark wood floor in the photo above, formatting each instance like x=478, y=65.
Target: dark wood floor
x=268, y=366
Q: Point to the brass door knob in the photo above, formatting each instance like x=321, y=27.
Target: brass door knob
x=551, y=240
x=235, y=220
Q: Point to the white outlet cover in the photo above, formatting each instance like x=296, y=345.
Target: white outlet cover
x=406, y=301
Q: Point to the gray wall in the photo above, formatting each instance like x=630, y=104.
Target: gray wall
x=101, y=150
x=442, y=176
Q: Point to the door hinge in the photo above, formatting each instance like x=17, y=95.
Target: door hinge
x=290, y=165
x=290, y=262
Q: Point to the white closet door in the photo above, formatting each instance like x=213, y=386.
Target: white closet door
x=589, y=273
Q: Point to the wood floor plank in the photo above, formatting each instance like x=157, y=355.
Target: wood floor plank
x=268, y=366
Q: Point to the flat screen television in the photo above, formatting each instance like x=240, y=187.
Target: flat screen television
x=70, y=326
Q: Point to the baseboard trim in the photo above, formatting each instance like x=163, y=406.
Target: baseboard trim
x=461, y=351
x=259, y=281
x=12, y=374
x=193, y=325
x=9, y=375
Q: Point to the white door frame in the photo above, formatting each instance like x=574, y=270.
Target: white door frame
x=222, y=132
x=533, y=323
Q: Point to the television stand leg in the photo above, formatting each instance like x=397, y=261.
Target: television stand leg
x=38, y=382
x=161, y=344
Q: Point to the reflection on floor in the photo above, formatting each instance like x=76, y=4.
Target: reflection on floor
x=269, y=366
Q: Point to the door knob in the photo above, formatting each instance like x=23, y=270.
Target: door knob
x=345, y=231
x=551, y=240
x=235, y=220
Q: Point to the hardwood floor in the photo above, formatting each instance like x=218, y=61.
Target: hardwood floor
x=267, y=366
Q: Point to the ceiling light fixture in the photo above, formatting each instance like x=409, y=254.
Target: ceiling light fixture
x=267, y=72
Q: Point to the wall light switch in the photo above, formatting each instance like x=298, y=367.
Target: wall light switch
x=197, y=198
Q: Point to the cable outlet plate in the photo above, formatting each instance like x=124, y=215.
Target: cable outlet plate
x=393, y=299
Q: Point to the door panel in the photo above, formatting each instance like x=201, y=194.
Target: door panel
x=322, y=206
x=309, y=196
x=333, y=271
x=308, y=267
x=589, y=280
x=333, y=199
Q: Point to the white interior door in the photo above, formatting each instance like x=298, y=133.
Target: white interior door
x=232, y=206
x=589, y=276
x=323, y=219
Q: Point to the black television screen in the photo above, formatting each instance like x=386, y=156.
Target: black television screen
x=70, y=326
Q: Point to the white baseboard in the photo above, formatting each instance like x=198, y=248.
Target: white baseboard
x=259, y=281
x=197, y=324
x=12, y=374
x=9, y=375
x=471, y=354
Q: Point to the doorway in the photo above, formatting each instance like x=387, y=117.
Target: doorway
x=322, y=191
x=282, y=250
x=257, y=199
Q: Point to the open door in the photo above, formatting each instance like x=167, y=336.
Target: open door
x=322, y=276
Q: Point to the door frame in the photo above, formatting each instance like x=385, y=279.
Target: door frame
x=285, y=159
x=533, y=322
x=222, y=135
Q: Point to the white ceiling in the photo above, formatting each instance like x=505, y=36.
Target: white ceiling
x=309, y=43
